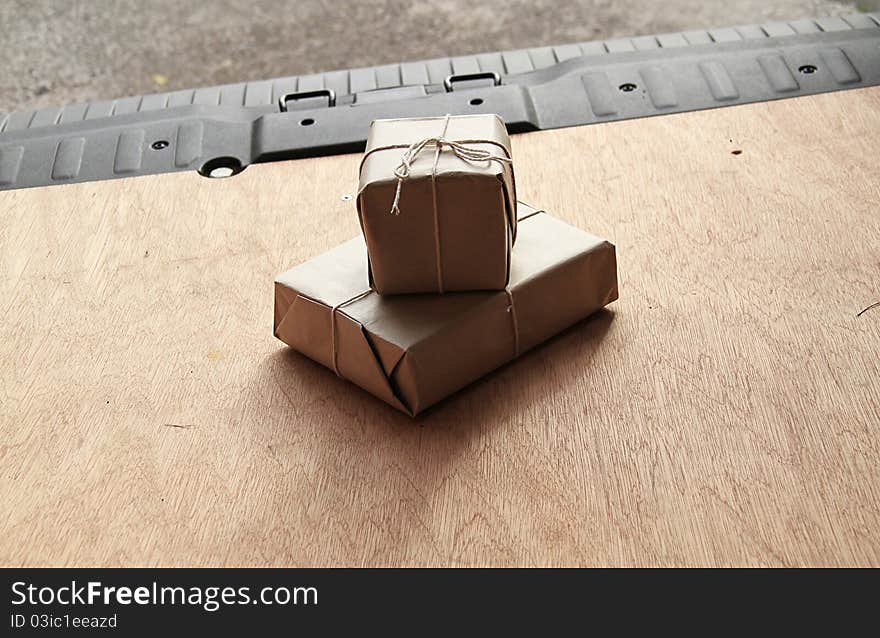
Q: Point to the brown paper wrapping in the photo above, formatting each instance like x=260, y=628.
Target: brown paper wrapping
x=413, y=350
x=461, y=244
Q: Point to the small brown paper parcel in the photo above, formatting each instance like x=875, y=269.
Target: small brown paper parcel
x=413, y=350
x=437, y=204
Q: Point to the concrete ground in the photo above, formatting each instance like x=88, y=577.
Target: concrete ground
x=59, y=51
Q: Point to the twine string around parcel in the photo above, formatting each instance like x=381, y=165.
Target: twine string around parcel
x=333, y=311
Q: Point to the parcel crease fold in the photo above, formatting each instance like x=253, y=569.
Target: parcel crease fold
x=356, y=358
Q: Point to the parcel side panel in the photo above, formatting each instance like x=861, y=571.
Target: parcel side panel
x=284, y=297
x=452, y=358
x=304, y=326
x=561, y=297
x=474, y=232
x=402, y=250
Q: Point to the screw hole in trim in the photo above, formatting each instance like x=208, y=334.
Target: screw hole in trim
x=158, y=145
x=221, y=167
x=807, y=69
x=628, y=87
x=306, y=122
x=476, y=101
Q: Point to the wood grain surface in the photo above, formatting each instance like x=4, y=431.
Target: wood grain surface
x=724, y=412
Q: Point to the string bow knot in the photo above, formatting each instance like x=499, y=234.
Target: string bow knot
x=460, y=149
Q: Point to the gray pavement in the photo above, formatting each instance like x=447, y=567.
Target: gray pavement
x=61, y=51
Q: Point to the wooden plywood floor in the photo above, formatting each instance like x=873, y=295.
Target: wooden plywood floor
x=724, y=412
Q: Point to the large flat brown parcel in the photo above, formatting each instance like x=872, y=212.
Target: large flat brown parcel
x=413, y=350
